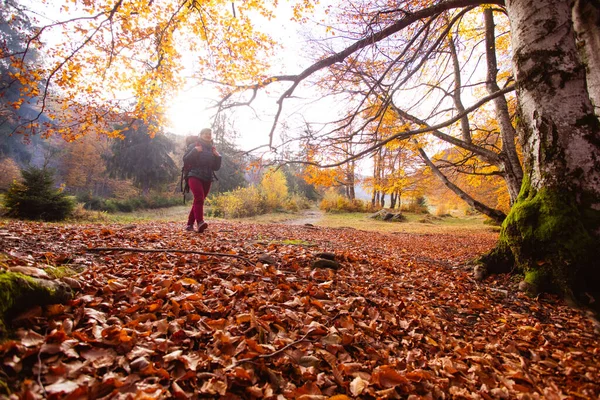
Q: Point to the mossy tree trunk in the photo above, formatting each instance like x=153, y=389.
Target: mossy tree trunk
x=18, y=292
x=552, y=232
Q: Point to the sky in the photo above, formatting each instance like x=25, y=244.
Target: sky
x=194, y=109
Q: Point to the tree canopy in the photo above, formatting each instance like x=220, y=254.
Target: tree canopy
x=126, y=58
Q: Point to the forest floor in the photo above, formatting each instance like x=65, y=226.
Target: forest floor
x=397, y=316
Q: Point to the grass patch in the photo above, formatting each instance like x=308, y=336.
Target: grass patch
x=270, y=218
x=412, y=224
x=60, y=272
x=295, y=242
x=415, y=223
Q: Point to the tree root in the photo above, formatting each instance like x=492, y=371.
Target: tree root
x=140, y=250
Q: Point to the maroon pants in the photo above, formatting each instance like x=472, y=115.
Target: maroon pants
x=199, y=189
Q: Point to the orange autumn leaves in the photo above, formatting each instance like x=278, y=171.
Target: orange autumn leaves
x=128, y=59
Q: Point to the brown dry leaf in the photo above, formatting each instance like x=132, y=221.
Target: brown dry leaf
x=30, y=338
x=99, y=357
x=388, y=377
x=214, y=386
x=62, y=386
x=358, y=385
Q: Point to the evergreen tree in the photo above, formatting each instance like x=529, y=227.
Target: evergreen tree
x=297, y=184
x=231, y=176
x=37, y=197
x=143, y=159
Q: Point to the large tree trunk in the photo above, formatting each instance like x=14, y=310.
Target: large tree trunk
x=552, y=232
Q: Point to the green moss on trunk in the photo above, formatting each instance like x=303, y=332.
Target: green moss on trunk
x=19, y=292
x=547, y=236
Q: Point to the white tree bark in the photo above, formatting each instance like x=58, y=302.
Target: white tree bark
x=562, y=139
x=552, y=232
x=586, y=20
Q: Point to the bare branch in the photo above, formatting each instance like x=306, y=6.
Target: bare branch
x=408, y=134
x=368, y=40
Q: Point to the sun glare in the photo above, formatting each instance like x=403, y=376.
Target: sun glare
x=188, y=114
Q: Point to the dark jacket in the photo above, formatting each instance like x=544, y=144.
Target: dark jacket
x=203, y=163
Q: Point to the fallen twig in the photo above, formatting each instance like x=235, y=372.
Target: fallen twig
x=39, y=359
x=138, y=250
x=504, y=292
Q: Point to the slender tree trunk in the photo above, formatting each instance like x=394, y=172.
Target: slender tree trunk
x=552, y=232
x=350, y=181
x=464, y=121
x=513, y=173
x=376, y=181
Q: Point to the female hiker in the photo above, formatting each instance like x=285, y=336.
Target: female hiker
x=201, y=159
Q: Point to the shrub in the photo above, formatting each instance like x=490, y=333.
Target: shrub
x=274, y=189
x=442, y=211
x=37, y=198
x=127, y=205
x=243, y=202
x=296, y=202
x=81, y=214
x=335, y=202
x=469, y=212
x=417, y=206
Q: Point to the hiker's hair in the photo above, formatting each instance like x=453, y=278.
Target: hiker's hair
x=205, y=130
x=190, y=139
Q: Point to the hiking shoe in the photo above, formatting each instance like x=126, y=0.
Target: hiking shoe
x=189, y=228
x=202, y=226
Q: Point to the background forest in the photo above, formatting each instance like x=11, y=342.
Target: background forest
x=139, y=171
x=138, y=165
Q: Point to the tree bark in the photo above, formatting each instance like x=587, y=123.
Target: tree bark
x=510, y=163
x=552, y=232
x=586, y=18
x=465, y=128
x=393, y=197
x=350, y=181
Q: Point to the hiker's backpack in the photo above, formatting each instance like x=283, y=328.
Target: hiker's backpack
x=185, y=171
x=206, y=158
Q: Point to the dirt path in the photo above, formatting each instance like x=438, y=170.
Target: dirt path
x=310, y=216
